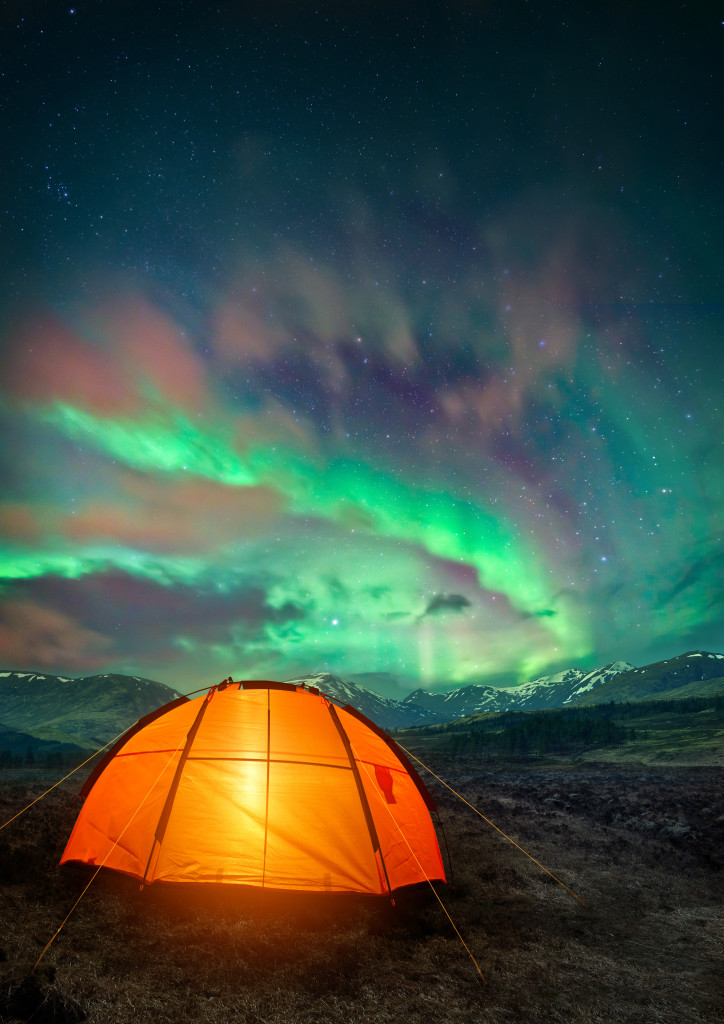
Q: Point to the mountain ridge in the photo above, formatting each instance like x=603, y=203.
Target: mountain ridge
x=386, y=712
x=555, y=690
x=90, y=710
x=660, y=677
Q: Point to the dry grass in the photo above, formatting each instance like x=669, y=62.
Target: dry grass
x=642, y=847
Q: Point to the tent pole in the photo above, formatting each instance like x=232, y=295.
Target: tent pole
x=173, y=788
x=376, y=845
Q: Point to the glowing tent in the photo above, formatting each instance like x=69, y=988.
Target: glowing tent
x=261, y=784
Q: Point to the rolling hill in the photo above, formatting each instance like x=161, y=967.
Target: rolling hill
x=86, y=712
x=90, y=710
x=20, y=747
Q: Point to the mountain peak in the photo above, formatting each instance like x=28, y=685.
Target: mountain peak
x=556, y=690
x=384, y=711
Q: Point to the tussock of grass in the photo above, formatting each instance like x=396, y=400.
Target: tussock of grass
x=642, y=847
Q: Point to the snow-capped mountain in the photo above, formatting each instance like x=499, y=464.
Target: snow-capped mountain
x=544, y=692
x=383, y=711
x=686, y=675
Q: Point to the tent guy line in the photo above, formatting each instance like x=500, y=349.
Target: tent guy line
x=503, y=834
x=95, y=873
x=429, y=882
x=56, y=784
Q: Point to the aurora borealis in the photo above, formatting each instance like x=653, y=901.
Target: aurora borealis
x=354, y=338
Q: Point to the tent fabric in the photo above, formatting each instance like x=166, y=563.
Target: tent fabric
x=260, y=784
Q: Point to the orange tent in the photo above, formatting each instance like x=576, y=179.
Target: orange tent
x=261, y=784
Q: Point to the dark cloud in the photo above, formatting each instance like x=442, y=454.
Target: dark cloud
x=700, y=569
x=544, y=613
x=134, y=614
x=446, y=603
x=33, y=636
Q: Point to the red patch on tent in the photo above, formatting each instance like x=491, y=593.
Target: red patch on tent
x=384, y=781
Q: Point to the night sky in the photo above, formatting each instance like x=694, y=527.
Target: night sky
x=385, y=339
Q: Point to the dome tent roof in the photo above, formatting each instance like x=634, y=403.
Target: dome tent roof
x=261, y=784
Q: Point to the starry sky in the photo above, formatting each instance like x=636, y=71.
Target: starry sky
x=378, y=338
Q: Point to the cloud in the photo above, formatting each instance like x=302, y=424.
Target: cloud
x=120, y=615
x=118, y=358
x=48, y=362
x=441, y=603
x=296, y=303
x=154, y=515
x=175, y=516
x=25, y=523
x=154, y=350
x=33, y=636
x=706, y=569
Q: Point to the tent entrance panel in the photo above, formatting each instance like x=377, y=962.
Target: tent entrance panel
x=318, y=839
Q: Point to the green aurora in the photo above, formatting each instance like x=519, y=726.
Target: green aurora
x=392, y=366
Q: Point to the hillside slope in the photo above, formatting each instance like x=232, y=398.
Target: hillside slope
x=87, y=711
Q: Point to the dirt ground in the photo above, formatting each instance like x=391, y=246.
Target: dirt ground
x=641, y=846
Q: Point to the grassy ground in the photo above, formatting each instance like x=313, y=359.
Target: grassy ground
x=642, y=846
x=692, y=739
x=661, y=735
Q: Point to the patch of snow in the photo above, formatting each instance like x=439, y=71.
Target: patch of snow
x=698, y=654
x=582, y=689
